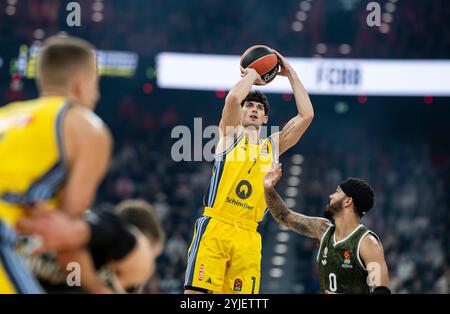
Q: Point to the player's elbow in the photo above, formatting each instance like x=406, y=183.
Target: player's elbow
x=309, y=116
x=281, y=218
x=279, y=221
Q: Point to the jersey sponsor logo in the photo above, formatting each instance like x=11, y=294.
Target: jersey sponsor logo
x=237, y=285
x=201, y=271
x=244, y=189
x=237, y=203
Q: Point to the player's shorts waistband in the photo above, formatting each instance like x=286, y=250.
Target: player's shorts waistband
x=230, y=219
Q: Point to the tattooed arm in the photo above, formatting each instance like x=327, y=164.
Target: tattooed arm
x=296, y=127
x=308, y=226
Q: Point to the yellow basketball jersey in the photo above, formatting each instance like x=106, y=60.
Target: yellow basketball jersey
x=236, y=187
x=31, y=155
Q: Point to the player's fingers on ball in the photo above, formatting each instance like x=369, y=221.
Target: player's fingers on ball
x=260, y=82
x=280, y=57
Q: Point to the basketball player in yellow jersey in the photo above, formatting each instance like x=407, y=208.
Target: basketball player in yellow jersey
x=225, y=253
x=53, y=150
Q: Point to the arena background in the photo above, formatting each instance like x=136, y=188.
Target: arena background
x=400, y=144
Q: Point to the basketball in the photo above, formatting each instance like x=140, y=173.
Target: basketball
x=263, y=60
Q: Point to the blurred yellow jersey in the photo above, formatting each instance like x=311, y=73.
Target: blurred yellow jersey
x=236, y=189
x=31, y=155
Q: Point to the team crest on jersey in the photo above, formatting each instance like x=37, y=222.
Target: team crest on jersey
x=347, y=260
x=237, y=285
x=201, y=271
x=264, y=149
x=324, y=257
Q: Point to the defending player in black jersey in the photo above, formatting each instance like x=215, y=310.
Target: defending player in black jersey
x=351, y=258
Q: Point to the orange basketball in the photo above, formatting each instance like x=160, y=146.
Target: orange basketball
x=263, y=60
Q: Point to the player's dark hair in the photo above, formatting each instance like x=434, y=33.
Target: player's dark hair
x=258, y=97
x=142, y=215
x=361, y=193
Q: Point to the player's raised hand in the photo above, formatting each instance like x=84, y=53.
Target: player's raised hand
x=250, y=71
x=273, y=176
x=286, y=67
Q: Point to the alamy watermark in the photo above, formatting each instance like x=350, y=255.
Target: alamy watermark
x=190, y=144
x=374, y=17
x=73, y=278
x=74, y=16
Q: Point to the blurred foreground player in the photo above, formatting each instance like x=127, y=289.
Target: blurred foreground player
x=350, y=257
x=124, y=244
x=53, y=149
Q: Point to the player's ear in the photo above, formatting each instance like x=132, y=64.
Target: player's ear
x=266, y=119
x=348, y=201
x=76, y=83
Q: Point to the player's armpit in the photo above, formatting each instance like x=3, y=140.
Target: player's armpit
x=87, y=145
x=227, y=138
x=371, y=253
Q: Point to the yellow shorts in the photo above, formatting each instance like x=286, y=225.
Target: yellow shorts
x=224, y=258
x=14, y=276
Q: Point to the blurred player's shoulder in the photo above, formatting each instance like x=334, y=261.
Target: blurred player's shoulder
x=82, y=126
x=85, y=122
x=80, y=121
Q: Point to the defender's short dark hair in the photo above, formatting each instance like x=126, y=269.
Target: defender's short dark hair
x=361, y=193
x=141, y=214
x=259, y=97
x=60, y=57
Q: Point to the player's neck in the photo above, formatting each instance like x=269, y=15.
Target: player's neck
x=56, y=92
x=253, y=134
x=345, y=223
x=63, y=93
